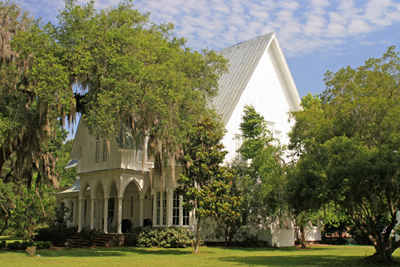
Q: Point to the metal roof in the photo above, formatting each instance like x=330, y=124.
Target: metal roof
x=76, y=187
x=71, y=164
x=243, y=59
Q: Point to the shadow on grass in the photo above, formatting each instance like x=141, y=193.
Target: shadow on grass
x=295, y=260
x=109, y=252
x=289, y=249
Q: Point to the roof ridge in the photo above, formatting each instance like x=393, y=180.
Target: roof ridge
x=264, y=36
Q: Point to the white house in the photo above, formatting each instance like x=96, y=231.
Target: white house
x=117, y=184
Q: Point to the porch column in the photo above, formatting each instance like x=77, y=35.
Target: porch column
x=119, y=221
x=105, y=215
x=80, y=202
x=141, y=199
x=180, y=210
x=91, y=213
x=170, y=194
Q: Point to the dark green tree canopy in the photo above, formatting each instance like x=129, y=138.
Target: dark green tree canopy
x=349, y=138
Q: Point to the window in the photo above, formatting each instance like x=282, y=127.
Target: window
x=105, y=151
x=164, y=208
x=175, y=209
x=97, y=149
x=185, y=216
x=158, y=208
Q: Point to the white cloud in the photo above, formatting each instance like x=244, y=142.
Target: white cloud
x=302, y=26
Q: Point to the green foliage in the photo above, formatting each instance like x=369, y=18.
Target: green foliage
x=348, y=140
x=135, y=77
x=205, y=184
x=225, y=202
x=17, y=245
x=23, y=210
x=164, y=237
x=34, y=95
x=261, y=168
x=120, y=71
x=55, y=234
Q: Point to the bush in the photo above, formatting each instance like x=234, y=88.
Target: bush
x=42, y=244
x=17, y=245
x=89, y=235
x=55, y=234
x=3, y=244
x=164, y=237
x=360, y=237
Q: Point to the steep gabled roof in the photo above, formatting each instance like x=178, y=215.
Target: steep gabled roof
x=243, y=59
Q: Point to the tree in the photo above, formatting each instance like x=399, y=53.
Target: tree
x=135, y=77
x=302, y=197
x=121, y=72
x=225, y=201
x=351, y=133
x=23, y=210
x=35, y=97
x=204, y=183
x=263, y=176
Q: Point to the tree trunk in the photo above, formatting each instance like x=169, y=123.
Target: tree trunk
x=196, y=243
x=302, y=237
x=382, y=255
x=384, y=245
x=228, y=236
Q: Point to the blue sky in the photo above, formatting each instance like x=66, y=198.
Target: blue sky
x=316, y=35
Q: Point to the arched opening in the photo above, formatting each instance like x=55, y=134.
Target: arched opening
x=99, y=207
x=112, y=209
x=131, y=216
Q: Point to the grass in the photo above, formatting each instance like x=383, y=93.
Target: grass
x=121, y=257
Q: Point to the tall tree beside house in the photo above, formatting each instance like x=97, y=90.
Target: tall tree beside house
x=136, y=74
x=204, y=183
x=352, y=133
x=304, y=202
x=263, y=177
x=34, y=96
x=113, y=66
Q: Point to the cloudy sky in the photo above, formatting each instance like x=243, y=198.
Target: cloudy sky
x=316, y=35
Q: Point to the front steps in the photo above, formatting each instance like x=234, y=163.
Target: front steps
x=99, y=240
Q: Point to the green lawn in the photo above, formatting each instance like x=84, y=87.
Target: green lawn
x=316, y=256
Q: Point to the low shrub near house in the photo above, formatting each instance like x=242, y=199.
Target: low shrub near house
x=164, y=237
x=17, y=245
x=56, y=235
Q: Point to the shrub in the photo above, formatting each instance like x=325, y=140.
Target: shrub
x=42, y=244
x=89, y=235
x=3, y=244
x=164, y=237
x=17, y=245
x=56, y=235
